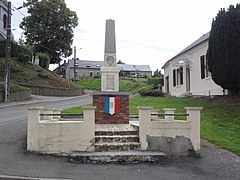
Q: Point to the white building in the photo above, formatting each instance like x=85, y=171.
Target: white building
x=187, y=74
x=3, y=19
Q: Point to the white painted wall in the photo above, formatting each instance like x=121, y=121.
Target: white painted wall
x=149, y=126
x=51, y=135
x=198, y=86
x=3, y=10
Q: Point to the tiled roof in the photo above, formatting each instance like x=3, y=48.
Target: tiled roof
x=195, y=43
x=98, y=64
x=126, y=67
x=143, y=68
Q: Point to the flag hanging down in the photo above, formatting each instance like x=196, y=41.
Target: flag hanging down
x=112, y=105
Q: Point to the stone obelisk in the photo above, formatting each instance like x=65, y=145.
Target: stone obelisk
x=112, y=106
x=110, y=72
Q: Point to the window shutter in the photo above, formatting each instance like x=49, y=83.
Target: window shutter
x=174, y=77
x=181, y=75
x=202, y=67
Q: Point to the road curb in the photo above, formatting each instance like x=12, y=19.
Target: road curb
x=4, y=105
x=3, y=177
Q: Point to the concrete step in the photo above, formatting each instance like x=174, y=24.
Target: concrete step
x=117, y=138
x=117, y=146
x=115, y=133
x=119, y=157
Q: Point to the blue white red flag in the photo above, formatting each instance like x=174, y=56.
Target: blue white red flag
x=112, y=105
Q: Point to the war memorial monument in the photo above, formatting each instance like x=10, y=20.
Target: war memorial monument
x=105, y=133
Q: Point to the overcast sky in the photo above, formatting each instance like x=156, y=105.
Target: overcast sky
x=148, y=32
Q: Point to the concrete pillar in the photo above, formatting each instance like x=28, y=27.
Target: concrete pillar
x=89, y=123
x=32, y=127
x=194, y=119
x=169, y=111
x=57, y=111
x=48, y=111
x=144, y=125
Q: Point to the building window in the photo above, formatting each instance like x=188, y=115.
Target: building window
x=204, y=67
x=178, y=76
x=174, y=77
x=5, y=21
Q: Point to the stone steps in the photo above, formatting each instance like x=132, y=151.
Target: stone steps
x=116, y=138
x=119, y=157
x=115, y=133
x=117, y=146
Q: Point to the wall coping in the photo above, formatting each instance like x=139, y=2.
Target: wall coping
x=145, y=107
x=111, y=93
x=169, y=109
x=193, y=108
x=35, y=108
x=89, y=107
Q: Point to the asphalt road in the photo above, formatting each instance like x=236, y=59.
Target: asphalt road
x=215, y=163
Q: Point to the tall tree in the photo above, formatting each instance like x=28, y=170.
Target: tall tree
x=224, y=49
x=49, y=27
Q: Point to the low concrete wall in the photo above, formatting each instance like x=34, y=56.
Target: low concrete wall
x=22, y=95
x=50, y=135
x=173, y=137
x=51, y=91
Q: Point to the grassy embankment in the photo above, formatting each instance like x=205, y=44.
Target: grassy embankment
x=32, y=75
x=131, y=85
x=220, y=122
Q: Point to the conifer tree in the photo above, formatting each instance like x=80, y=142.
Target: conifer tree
x=224, y=49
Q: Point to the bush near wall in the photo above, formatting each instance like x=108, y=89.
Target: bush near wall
x=15, y=49
x=44, y=60
x=154, y=82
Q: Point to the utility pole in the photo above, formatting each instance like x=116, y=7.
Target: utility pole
x=8, y=55
x=74, y=66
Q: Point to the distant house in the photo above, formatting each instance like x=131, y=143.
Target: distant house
x=61, y=70
x=86, y=68
x=3, y=19
x=187, y=74
x=128, y=70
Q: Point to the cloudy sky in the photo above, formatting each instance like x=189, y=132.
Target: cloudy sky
x=148, y=32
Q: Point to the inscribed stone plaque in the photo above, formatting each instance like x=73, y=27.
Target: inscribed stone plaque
x=110, y=82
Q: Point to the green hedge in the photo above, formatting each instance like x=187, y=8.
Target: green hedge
x=15, y=49
x=154, y=82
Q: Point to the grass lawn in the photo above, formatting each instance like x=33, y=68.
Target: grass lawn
x=132, y=85
x=220, y=124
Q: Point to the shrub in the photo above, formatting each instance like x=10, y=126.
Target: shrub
x=151, y=93
x=15, y=49
x=145, y=89
x=44, y=60
x=154, y=82
x=23, y=58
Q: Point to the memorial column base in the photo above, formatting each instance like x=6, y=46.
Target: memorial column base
x=102, y=116
x=110, y=79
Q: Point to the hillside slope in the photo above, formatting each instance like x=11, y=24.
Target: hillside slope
x=33, y=75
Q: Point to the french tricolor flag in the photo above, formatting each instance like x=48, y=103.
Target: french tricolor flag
x=112, y=105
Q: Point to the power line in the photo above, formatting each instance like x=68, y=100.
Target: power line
x=18, y=9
